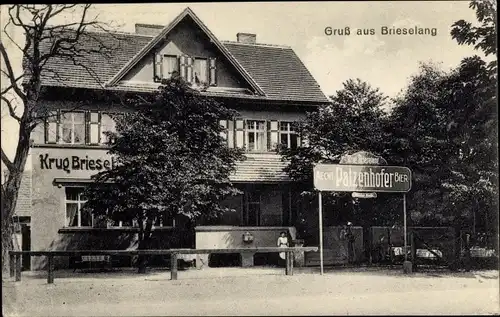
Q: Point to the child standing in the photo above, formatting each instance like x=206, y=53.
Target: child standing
x=282, y=243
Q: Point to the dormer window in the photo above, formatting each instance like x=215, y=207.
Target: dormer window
x=195, y=70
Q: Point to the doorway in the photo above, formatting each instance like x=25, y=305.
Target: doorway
x=26, y=246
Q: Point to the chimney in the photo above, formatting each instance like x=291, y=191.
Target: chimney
x=247, y=38
x=148, y=29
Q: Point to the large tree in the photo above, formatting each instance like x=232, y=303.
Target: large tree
x=480, y=135
x=352, y=122
x=46, y=39
x=417, y=138
x=442, y=129
x=482, y=37
x=172, y=159
x=445, y=128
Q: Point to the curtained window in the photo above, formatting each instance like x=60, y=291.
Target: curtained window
x=75, y=200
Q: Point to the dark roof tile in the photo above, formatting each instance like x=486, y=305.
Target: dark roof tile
x=277, y=70
x=260, y=168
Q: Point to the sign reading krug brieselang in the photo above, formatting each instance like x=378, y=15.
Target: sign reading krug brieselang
x=75, y=163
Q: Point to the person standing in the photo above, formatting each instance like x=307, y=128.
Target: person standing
x=350, y=243
x=282, y=243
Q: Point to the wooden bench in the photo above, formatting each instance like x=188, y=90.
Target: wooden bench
x=102, y=260
x=15, y=257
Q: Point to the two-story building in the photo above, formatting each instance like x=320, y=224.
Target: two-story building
x=267, y=84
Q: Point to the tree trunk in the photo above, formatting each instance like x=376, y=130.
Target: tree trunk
x=10, y=191
x=144, y=243
x=7, y=244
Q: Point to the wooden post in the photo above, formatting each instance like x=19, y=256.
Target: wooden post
x=292, y=257
x=287, y=263
x=467, y=258
x=320, y=215
x=18, y=267
x=12, y=265
x=407, y=265
x=173, y=266
x=50, y=269
x=413, y=249
x=404, y=228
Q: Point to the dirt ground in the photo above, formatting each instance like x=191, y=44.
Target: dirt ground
x=253, y=291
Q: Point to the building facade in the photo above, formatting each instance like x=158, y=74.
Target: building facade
x=268, y=85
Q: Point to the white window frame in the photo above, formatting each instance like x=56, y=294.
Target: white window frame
x=207, y=70
x=289, y=132
x=165, y=73
x=251, y=127
x=88, y=122
x=79, y=202
x=72, y=122
x=231, y=130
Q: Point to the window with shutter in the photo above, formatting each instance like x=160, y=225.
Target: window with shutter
x=223, y=133
x=93, y=127
x=182, y=66
x=240, y=133
x=230, y=133
x=273, y=134
x=305, y=141
x=158, y=69
x=52, y=127
x=213, y=73
x=189, y=69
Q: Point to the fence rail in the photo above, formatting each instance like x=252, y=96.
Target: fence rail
x=15, y=256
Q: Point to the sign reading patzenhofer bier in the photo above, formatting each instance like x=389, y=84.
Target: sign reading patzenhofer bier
x=361, y=178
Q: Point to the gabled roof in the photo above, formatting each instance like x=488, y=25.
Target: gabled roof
x=276, y=71
x=91, y=69
x=146, y=49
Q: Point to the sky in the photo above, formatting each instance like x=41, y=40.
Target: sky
x=384, y=61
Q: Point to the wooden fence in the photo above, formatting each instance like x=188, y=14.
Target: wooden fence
x=15, y=256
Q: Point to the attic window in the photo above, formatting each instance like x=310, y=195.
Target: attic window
x=200, y=71
x=196, y=70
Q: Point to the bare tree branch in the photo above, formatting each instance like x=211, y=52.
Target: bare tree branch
x=10, y=72
x=7, y=162
x=56, y=46
x=3, y=92
x=12, y=110
x=10, y=37
x=64, y=7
